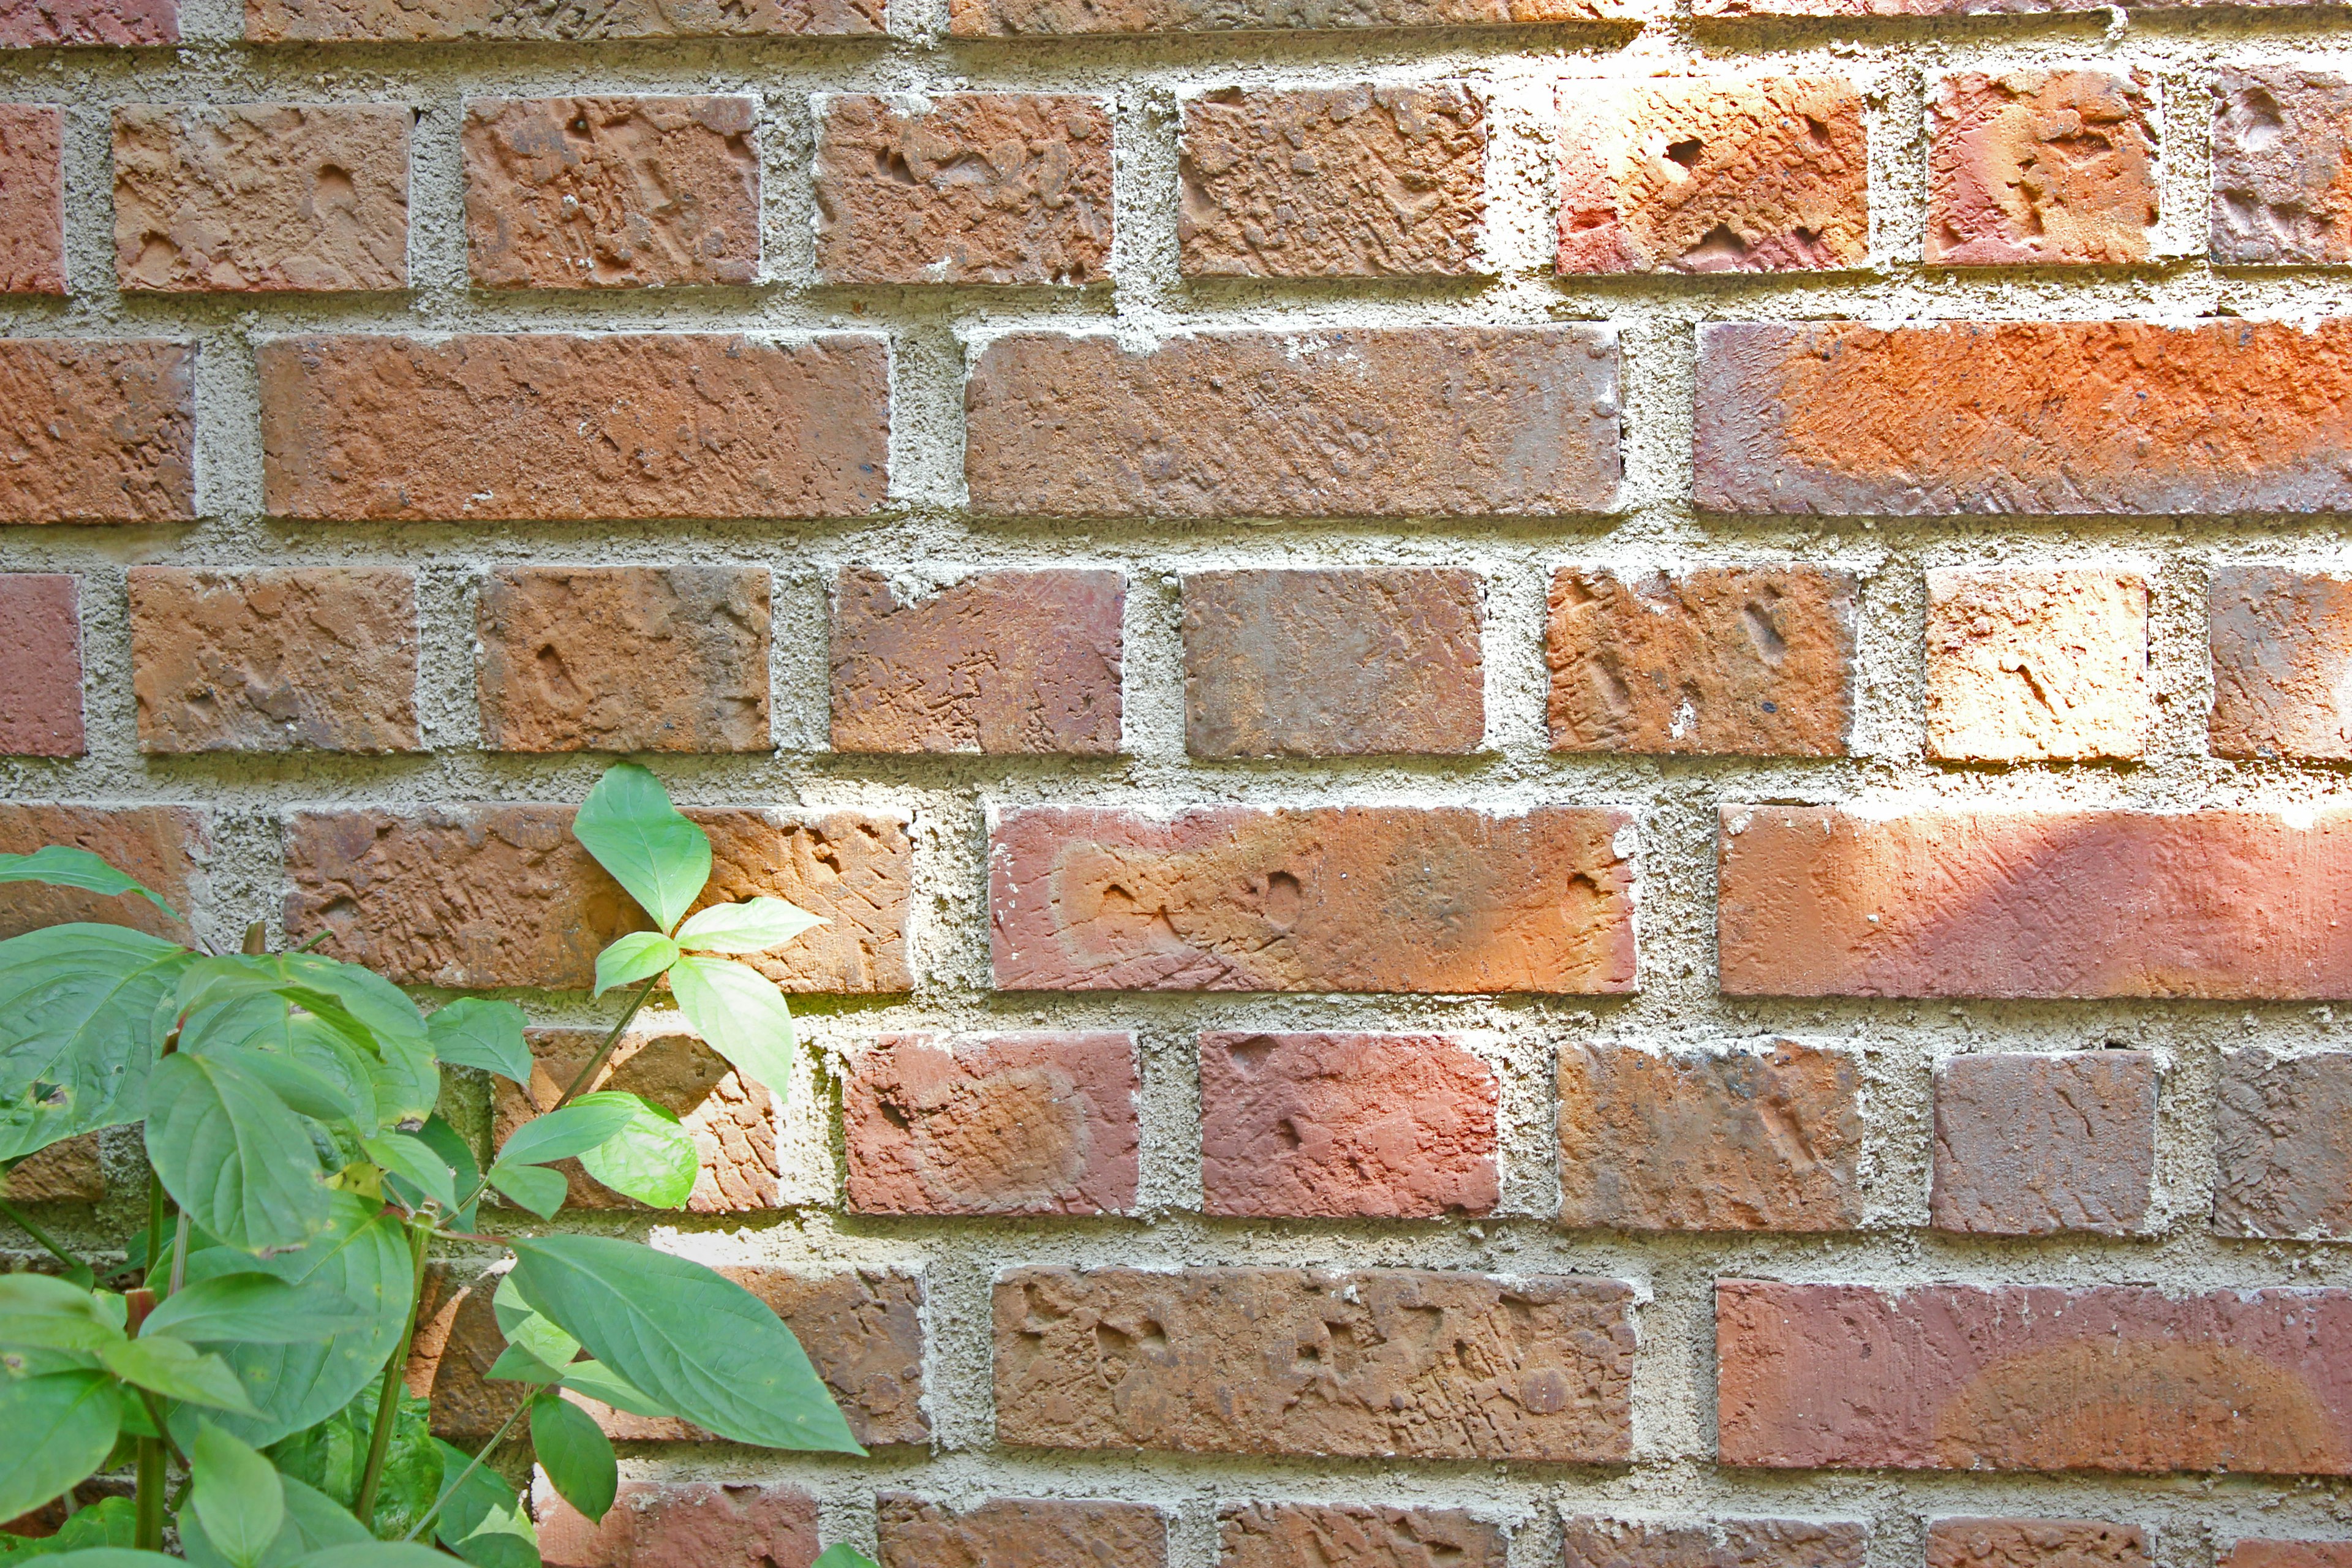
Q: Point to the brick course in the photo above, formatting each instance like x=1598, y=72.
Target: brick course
x=32, y=199
x=1019, y=18
x=1013, y=1532
x=2034, y=1543
x=674, y=1525
x=395, y=21
x=40, y=665
x=111, y=22
x=1303, y=1535
x=1595, y=1542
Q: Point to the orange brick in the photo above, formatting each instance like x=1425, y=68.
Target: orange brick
x=2252, y=1553
x=1305, y=1535
x=164, y=847
x=2035, y=1544
x=117, y=22
x=2037, y=167
x=688, y=1524
x=40, y=665
x=2028, y=666
x=31, y=198
x=64, y=1172
x=97, y=431
x=1594, y=1542
x=428, y=21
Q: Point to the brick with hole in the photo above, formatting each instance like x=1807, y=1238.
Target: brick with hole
x=165, y=848
x=434, y=21
x=2035, y=1544
x=2037, y=664
x=1592, y=1541
x=2283, y=1144
x=32, y=199
x=1056, y=18
x=1312, y=1535
x=104, y=22
x=2281, y=643
x=2040, y=167
x=40, y=665
x=1015, y=1533
x=679, y=1524
x=97, y=430
x=2280, y=134
x=2031, y=1143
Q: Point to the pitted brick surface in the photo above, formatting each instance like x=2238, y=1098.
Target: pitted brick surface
x=31, y=198
x=2283, y=1144
x=2035, y=1544
x=42, y=23
x=2028, y=1143
x=66, y=1173
x=433, y=21
x=96, y=431
x=164, y=848
x=2256, y=1553
x=2280, y=136
x=1032, y=18
x=690, y=1524
x=1594, y=1542
x=2282, y=650
x=40, y=665
x=2024, y=665
x=2037, y=167
x=1018, y=1532
x=1303, y=1535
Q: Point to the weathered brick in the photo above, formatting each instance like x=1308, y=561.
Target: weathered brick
x=962, y=187
x=1342, y=1126
x=1305, y=1535
x=428, y=21
x=2253, y=1552
x=97, y=431
x=549, y=427
x=261, y=197
x=1367, y=421
x=1000, y=662
x=1439, y=899
x=1021, y=1123
x=32, y=197
x=2282, y=650
x=611, y=192
x=1353, y=182
x=456, y=1343
x=1017, y=18
x=313, y=657
x=1593, y=1543
x=2035, y=1544
x=1733, y=660
x=1019, y=1532
x=1814, y=901
x=2031, y=1144
x=2029, y=665
x=66, y=1173
x=40, y=665
x=732, y=1121
x=1763, y=1137
x=2040, y=167
x=1367, y=1363
x=2024, y=417
x=2281, y=135
x=2283, y=1144
x=1334, y=662
x=1711, y=8
x=624, y=658
x=164, y=847
x=1713, y=175
x=2020, y=1377
x=680, y=1524
x=47, y=22
x=487, y=896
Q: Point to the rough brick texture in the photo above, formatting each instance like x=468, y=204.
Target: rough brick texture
x=624, y=658
x=67, y=1172
x=162, y=848
x=963, y=188
x=2034, y=1543
x=2023, y=416
x=1011, y=19
x=2254, y=1553
x=1303, y=1535
x=1346, y=1126
x=680, y=1524
x=2036, y=167
x=1745, y=661
x=2283, y=1144
x=2033, y=1378
x=1016, y=1533
x=405, y=21
x=1713, y=175
x=2282, y=649
x=1353, y=182
x=40, y=665
x=999, y=662
x=551, y=426
x=1593, y=1543
x=320, y=659
x=2280, y=134
x=611, y=192
x=1374, y=422
x=503, y=895
x=1814, y=901
x=1025, y=1123
x=2030, y=1144
x=31, y=198
x=48, y=22
x=1339, y=899
x=1370, y=1364
x=2029, y=665
x=97, y=431
x=1334, y=663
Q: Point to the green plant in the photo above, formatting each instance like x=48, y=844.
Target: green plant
x=248, y=1367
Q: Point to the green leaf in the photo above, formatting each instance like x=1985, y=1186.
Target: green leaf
x=177, y=1369
x=450, y=1144
x=742, y=1016
x=255, y=1309
x=377, y=1554
x=27, y=1293
x=314, y=1522
x=406, y=1082
x=303, y=1087
x=481, y=1519
x=353, y=1070
x=533, y=1187
x=56, y=1332
x=78, y=1007
x=374, y=1002
x=233, y=1155
x=575, y=1129
x=110, y=1557
x=61, y=1428
x=749, y=925
x=652, y=1160
x=109, y=1522
x=414, y=1162
x=223, y=987
x=237, y=1497
x=841, y=1554
x=640, y=955
x=605, y=1386
x=696, y=1342
x=576, y=1456
x=472, y=1033
x=63, y=866
x=657, y=855
x=332, y=1457
x=515, y=1365
x=528, y=1329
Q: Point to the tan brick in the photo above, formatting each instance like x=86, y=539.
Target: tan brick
x=1019, y=1123
x=310, y=659
x=487, y=896
x=1305, y=1535
x=40, y=665
x=1353, y=181
x=999, y=662
x=2035, y=1544
x=1369, y=1364
x=65, y=1172
x=611, y=192
x=2030, y=1144
x=2251, y=1553
x=962, y=187
x=624, y=658
x=680, y=1524
x=2282, y=652
x=549, y=427
x=1334, y=662
x=1713, y=175
x=90, y=22
x=1442, y=898
x=2280, y=137
x=1333, y=1126
x=2040, y=167
x=2032, y=666
x=1019, y=1532
x=429, y=21
x=1740, y=661
x=163, y=847
x=2283, y=1145
x=32, y=197
x=1012, y=18
x=1593, y=1543
x=97, y=431
x=1378, y=422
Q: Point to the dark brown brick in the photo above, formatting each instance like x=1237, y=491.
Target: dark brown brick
x=2283, y=1144
x=32, y=196
x=97, y=431
x=2035, y=1544
x=51, y=22
x=2280, y=136
x=2282, y=650
x=1009, y=18
x=40, y=665
x=688, y=1524
x=1305, y=1535
x=1723, y=1543
x=430, y=21
x=2031, y=1144
x=1019, y=1532
x=164, y=847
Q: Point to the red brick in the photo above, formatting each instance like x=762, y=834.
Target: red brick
x=408, y=21
x=2021, y=1377
x=1738, y=661
x=2251, y=1553
x=624, y=658
x=1344, y=1126
x=1713, y=175
x=680, y=1524
x=1439, y=899
x=2030, y=168
x=2023, y=416
x=2281, y=135
x=1723, y=1543
x=1814, y=901
x=164, y=847
x=48, y=22
x=1003, y=662
x=456, y=1343
x=1025, y=1123
x=1353, y=181
x=1367, y=422
x=2281, y=651
x=1334, y=662
x=315, y=658
x=40, y=665
x=64, y=1172
x=97, y=431
x=2032, y=1144
x=261, y=197
x=1303, y=1535
x=611, y=192
x=1369, y=1364
x=2035, y=1544
x=962, y=187
x=1767, y=1137
x=32, y=197
x=1019, y=1532
x=2024, y=665
x=487, y=896
x=2283, y=1145
x=1012, y=18
x=547, y=426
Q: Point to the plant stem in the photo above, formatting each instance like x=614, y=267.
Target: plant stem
x=154, y=1219
x=150, y=1536
x=22, y=1221
x=387, y=1404
x=450, y=1489
x=604, y=1053
x=179, y=1256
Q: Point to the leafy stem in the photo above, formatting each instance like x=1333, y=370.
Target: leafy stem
x=449, y=1488
x=387, y=1405
x=587, y=1075
x=76, y=1270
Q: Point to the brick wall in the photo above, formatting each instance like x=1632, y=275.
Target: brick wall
x=1578, y=764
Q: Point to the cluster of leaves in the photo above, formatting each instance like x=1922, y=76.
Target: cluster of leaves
x=247, y=1360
